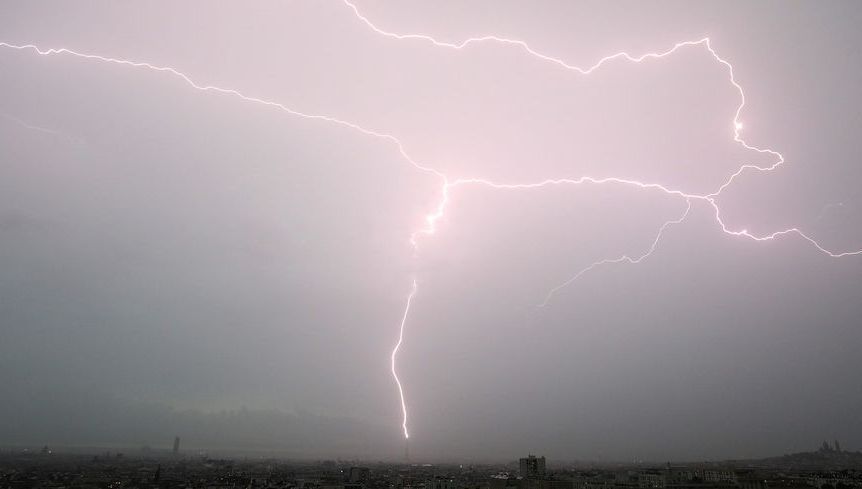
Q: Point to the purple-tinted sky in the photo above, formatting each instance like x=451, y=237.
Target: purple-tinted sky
x=168, y=255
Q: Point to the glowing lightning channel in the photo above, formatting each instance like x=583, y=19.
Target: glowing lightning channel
x=517, y=43
x=395, y=353
x=228, y=91
x=623, y=258
x=32, y=127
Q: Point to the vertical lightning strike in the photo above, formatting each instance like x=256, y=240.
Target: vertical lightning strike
x=395, y=354
x=448, y=186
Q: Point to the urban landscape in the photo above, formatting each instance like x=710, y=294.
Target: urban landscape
x=826, y=468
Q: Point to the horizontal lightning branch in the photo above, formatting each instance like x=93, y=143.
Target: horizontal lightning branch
x=32, y=127
x=225, y=91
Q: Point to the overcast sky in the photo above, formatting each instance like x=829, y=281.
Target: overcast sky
x=179, y=262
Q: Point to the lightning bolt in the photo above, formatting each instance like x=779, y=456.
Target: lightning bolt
x=438, y=213
x=395, y=354
x=623, y=258
x=448, y=186
x=226, y=91
x=32, y=127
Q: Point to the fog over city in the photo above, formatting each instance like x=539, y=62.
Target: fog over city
x=178, y=260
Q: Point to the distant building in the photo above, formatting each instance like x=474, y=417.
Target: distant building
x=717, y=476
x=678, y=475
x=441, y=483
x=751, y=483
x=176, y=445
x=358, y=474
x=545, y=484
x=651, y=481
x=532, y=467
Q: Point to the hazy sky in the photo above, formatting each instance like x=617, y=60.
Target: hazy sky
x=182, y=262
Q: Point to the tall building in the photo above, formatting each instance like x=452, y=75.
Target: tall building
x=532, y=467
x=359, y=474
x=176, y=445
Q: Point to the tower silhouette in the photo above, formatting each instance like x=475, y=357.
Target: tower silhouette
x=407, y=450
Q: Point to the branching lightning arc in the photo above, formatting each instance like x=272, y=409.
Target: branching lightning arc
x=449, y=185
